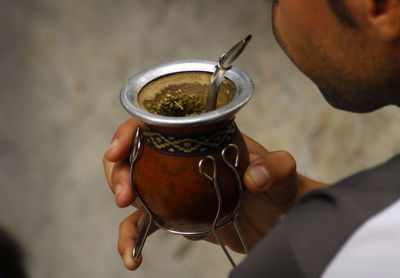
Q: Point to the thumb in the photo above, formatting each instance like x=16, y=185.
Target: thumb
x=270, y=172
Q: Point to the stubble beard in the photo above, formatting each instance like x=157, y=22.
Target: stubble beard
x=343, y=92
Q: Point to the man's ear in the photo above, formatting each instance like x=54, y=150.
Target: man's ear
x=384, y=15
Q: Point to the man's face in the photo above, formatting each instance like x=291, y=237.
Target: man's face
x=332, y=54
x=301, y=27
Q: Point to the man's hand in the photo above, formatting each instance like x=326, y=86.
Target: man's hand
x=272, y=187
x=272, y=183
x=116, y=167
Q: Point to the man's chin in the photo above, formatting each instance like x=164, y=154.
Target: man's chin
x=356, y=105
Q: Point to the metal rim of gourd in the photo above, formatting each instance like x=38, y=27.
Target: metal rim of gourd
x=131, y=89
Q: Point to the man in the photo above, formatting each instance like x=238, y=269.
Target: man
x=351, y=50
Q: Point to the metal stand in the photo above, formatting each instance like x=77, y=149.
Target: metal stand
x=148, y=219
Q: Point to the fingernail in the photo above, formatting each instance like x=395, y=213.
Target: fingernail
x=113, y=144
x=259, y=176
x=128, y=259
x=118, y=189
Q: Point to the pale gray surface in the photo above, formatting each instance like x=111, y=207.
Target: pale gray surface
x=61, y=67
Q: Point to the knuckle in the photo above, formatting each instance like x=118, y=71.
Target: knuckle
x=122, y=225
x=287, y=159
x=126, y=128
x=114, y=182
x=121, y=248
x=120, y=173
x=104, y=159
x=114, y=175
x=106, y=162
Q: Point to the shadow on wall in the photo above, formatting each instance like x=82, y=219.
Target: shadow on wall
x=11, y=257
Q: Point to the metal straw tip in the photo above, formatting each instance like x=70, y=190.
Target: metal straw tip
x=248, y=38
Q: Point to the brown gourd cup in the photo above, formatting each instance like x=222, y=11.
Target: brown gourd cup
x=187, y=171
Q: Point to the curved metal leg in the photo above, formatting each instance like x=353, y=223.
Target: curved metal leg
x=221, y=243
x=214, y=180
x=142, y=235
x=148, y=218
x=234, y=167
x=240, y=234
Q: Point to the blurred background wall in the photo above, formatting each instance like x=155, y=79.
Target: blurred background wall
x=62, y=64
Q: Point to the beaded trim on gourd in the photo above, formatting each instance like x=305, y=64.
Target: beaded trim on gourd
x=175, y=145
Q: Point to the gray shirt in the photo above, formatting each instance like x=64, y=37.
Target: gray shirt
x=309, y=237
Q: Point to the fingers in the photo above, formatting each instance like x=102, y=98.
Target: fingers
x=117, y=172
x=254, y=147
x=118, y=177
x=121, y=143
x=116, y=164
x=275, y=172
x=267, y=169
x=121, y=184
x=128, y=232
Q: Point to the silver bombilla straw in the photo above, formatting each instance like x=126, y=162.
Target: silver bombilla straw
x=224, y=64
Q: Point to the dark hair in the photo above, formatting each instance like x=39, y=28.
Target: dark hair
x=11, y=257
x=342, y=12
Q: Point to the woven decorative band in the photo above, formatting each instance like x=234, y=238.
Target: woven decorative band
x=175, y=145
